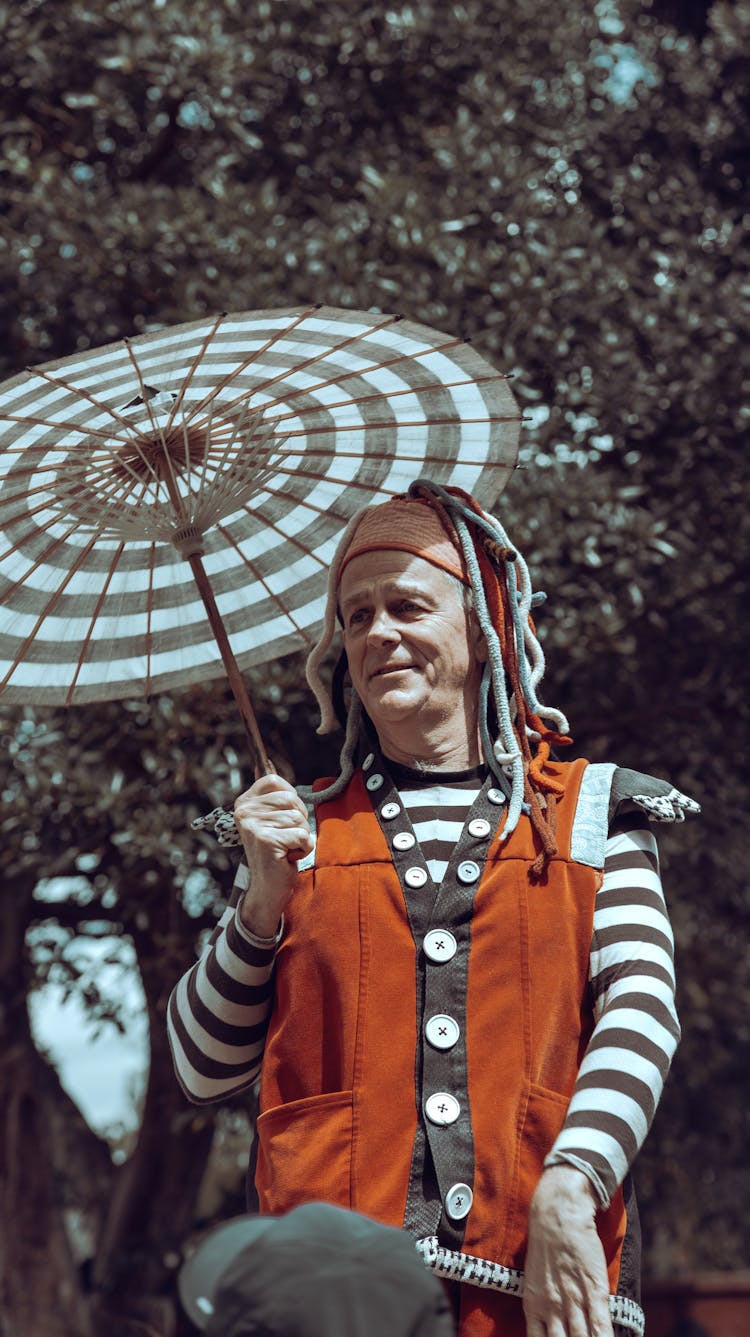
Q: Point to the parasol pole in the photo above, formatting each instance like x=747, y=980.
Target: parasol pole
x=262, y=765
x=189, y=543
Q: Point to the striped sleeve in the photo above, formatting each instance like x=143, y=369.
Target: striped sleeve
x=636, y=1030
x=218, y=1012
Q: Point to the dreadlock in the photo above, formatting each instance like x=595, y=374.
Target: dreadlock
x=516, y=730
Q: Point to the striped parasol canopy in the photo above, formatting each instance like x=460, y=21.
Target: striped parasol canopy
x=173, y=501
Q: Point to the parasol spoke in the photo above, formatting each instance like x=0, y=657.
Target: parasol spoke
x=253, y=357
x=213, y=486
x=107, y=442
x=327, y=512
x=302, y=549
x=385, y=423
x=373, y=456
x=176, y=407
x=331, y=351
x=297, y=392
x=258, y=575
x=49, y=608
x=377, y=396
x=149, y=617
x=89, y=634
x=116, y=414
x=39, y=529
x=27, y=420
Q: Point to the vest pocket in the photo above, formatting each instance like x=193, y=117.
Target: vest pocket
x=545, y=1116
x=305, y=1153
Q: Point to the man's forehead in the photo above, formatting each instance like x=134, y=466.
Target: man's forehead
x=396, y=571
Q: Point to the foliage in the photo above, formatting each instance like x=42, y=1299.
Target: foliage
x=571, y=197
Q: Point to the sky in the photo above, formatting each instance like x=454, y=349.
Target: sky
x=105, y=1072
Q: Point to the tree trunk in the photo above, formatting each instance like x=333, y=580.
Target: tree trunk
x=40, y=1284
x=153, y=1202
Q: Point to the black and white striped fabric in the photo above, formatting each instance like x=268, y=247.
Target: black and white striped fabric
x=217, y=1012
x=250, y=439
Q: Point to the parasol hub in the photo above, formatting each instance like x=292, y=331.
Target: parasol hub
x=188, y=541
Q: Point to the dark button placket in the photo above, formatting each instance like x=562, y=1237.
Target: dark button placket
x=440, y=1195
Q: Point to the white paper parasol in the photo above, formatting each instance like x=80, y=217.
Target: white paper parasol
x=209, y=469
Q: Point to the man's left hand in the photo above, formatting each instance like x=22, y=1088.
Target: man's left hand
x=566, y=1288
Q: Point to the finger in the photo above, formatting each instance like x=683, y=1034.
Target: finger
x=599, y=1319
x=295, y=839
x=269, y=784
x=279, y=801
x=535, y=1327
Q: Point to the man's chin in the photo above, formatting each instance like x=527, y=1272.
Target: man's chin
x=390, y=703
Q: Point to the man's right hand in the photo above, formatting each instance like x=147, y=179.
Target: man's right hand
x=272, y=821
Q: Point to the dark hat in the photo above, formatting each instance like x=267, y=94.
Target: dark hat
x=320, y=1271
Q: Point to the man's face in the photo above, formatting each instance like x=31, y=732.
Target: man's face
x=414, y=648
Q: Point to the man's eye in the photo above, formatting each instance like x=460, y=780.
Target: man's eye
x=357, y=617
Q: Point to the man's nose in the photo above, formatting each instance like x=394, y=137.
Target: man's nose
x=382, y=627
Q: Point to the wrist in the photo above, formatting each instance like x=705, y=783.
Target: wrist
x=568, y=1186
x=258, y=918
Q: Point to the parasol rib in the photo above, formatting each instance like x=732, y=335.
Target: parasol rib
x=286, y=612
x=376, y=397
x=281, y=334
x=176, y=407
x=49, y=607
x=366, y=370
x=149, y=616
x=94, y=616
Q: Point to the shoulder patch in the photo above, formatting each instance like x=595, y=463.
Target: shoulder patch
x=588, y=838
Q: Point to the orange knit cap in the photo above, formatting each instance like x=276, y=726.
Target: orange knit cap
x=412, y=525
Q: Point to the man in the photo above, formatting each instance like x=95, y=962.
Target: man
x=472, y=1009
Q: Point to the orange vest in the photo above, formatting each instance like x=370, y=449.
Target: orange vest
x=347, y=1067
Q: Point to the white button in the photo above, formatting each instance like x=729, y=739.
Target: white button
x=404, y=840
x=479, y=827
x=496, y=796
x=374, y=782
x=415, y=877
x=468, y=872
x=458, y=1201
x=442, y=1108
x=369, y=759
x=439, y=944
x=442, y=1031
x=390, y=810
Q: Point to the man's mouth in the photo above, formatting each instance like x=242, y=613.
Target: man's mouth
x=389, y=668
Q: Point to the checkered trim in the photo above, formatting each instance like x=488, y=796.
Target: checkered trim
x=454, y=1266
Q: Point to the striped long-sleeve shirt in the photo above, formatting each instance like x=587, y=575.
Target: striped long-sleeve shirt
x=219, y=1010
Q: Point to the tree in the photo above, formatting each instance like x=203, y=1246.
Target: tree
x=573, y=199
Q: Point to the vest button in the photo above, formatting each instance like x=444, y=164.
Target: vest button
x=442, y=1108
x=468, y=872
x=440, y=945
x=478, y=826
x=369, y=759
x=404, y=840
x=458, y=1201
x=415, y=877
x=496, y=796
x=442, y=1031
x=390, y=810
x=374, y=782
